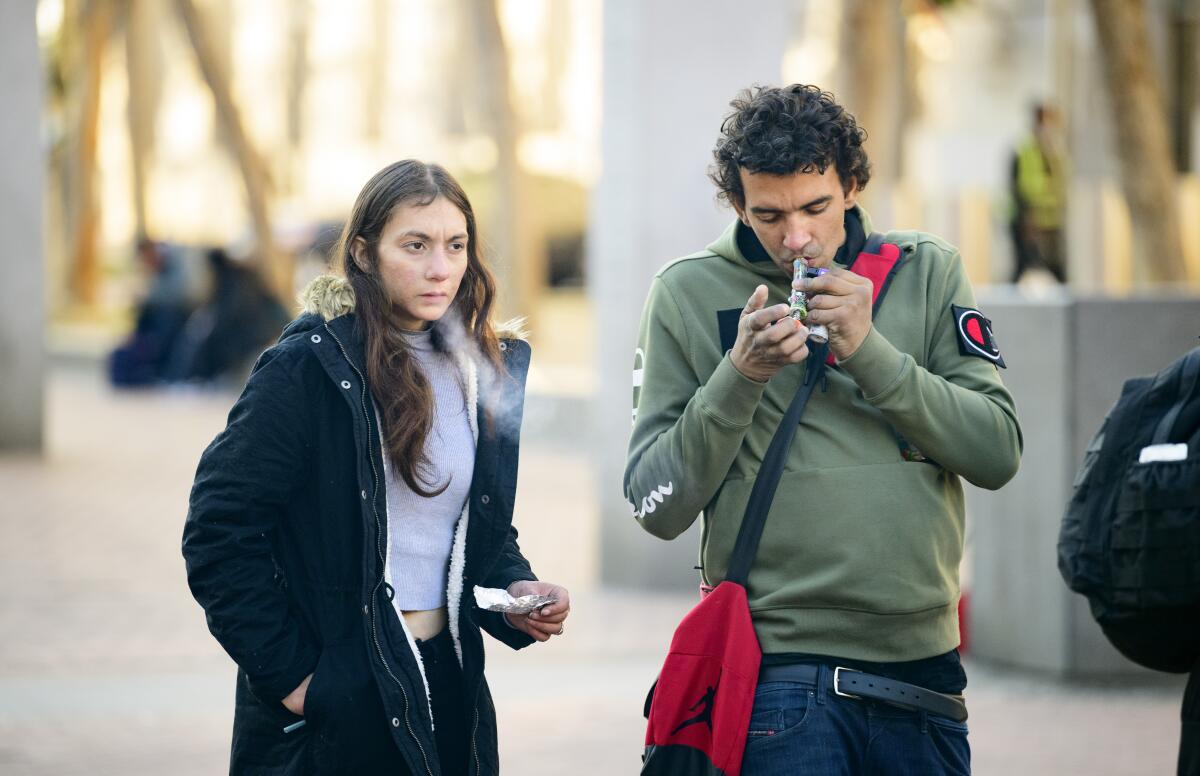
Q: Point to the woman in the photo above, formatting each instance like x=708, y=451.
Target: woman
x=362, y=489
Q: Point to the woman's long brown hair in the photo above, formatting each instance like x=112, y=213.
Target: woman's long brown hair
x=400, y=389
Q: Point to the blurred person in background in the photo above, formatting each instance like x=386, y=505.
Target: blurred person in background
x=1038, y=183
x=145, y=356
x=240, y=318
x=363, y=487
x=858, y=567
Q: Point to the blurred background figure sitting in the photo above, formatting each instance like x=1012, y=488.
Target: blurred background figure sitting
x=196, y=323
x=144, y=357
x=1038, y=186
x=222, y=338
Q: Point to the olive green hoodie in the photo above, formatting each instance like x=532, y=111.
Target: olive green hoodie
x=860, y=554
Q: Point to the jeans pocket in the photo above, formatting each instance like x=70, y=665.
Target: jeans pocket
x=765, y=723
x=947, y=724
x=949, y=740
x=779, y=709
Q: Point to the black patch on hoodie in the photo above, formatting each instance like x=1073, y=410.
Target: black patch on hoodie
x=975, y=337
x=727, y=327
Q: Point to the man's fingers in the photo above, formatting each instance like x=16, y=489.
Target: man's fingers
x=791, y=348
x=760, y=320
x=823, y=302
x=838, y=282
x=784, y=328
x=786, y=340
x=756, y=301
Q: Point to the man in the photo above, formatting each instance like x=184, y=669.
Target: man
x=146, y=356
x=858, y=564
x=1038, y=184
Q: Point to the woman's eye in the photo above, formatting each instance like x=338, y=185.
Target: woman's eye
x=457, y=247
x=415, y=245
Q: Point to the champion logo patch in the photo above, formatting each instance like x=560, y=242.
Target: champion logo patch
x=975, y=336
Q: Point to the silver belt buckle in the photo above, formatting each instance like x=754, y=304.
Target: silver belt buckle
x=837, y=688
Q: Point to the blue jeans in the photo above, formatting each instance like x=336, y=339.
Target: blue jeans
x=801, y=729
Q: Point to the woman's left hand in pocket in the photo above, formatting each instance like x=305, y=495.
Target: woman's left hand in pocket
x=548, y=621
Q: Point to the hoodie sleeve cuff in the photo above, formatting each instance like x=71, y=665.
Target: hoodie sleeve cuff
x=876, y=366
x=729, y=396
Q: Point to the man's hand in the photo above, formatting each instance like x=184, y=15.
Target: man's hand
x=294, y=702
x=542, y=623
x=767, y=339
x=840, y=300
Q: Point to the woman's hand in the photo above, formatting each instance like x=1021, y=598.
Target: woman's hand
x=294, y=702
x=542, y=623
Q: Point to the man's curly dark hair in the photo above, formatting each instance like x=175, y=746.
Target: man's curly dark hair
x=781, y=131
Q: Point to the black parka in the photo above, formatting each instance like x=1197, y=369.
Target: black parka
x=284, y=545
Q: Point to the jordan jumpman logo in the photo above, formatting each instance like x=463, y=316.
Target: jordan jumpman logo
x=704, y=716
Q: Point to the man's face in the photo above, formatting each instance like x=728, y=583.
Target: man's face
x=797, y=216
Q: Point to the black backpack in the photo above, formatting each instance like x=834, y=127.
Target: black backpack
x=1130, y=538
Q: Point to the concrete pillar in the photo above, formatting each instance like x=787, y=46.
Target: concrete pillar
x=1067, y=360
x=670, y=70
x=22, y=306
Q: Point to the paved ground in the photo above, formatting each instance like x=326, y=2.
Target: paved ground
x=106, y=666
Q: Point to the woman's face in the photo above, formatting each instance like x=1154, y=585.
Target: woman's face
x=422, y=259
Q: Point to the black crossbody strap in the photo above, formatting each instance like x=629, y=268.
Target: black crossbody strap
x=769, y=474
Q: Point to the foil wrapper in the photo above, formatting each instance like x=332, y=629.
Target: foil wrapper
x=495, y=600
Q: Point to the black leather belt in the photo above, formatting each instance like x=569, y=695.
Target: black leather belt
x=849, y=683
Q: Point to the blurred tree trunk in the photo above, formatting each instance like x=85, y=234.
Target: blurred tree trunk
x=85, y=208
x=873, y=47
x=1143, y=140
x=143, y=65
x=273, y=264
x=299, y=24
x=516, y=261
x=459, y=72
x=377, y=68
x=1185, y=78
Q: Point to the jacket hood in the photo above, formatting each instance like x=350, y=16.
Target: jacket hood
x=331, y=296
x=739, y=245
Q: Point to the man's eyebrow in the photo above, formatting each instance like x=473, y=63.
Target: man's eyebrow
x=762, y=211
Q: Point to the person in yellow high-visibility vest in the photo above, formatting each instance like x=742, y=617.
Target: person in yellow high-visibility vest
x=1039, y=198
